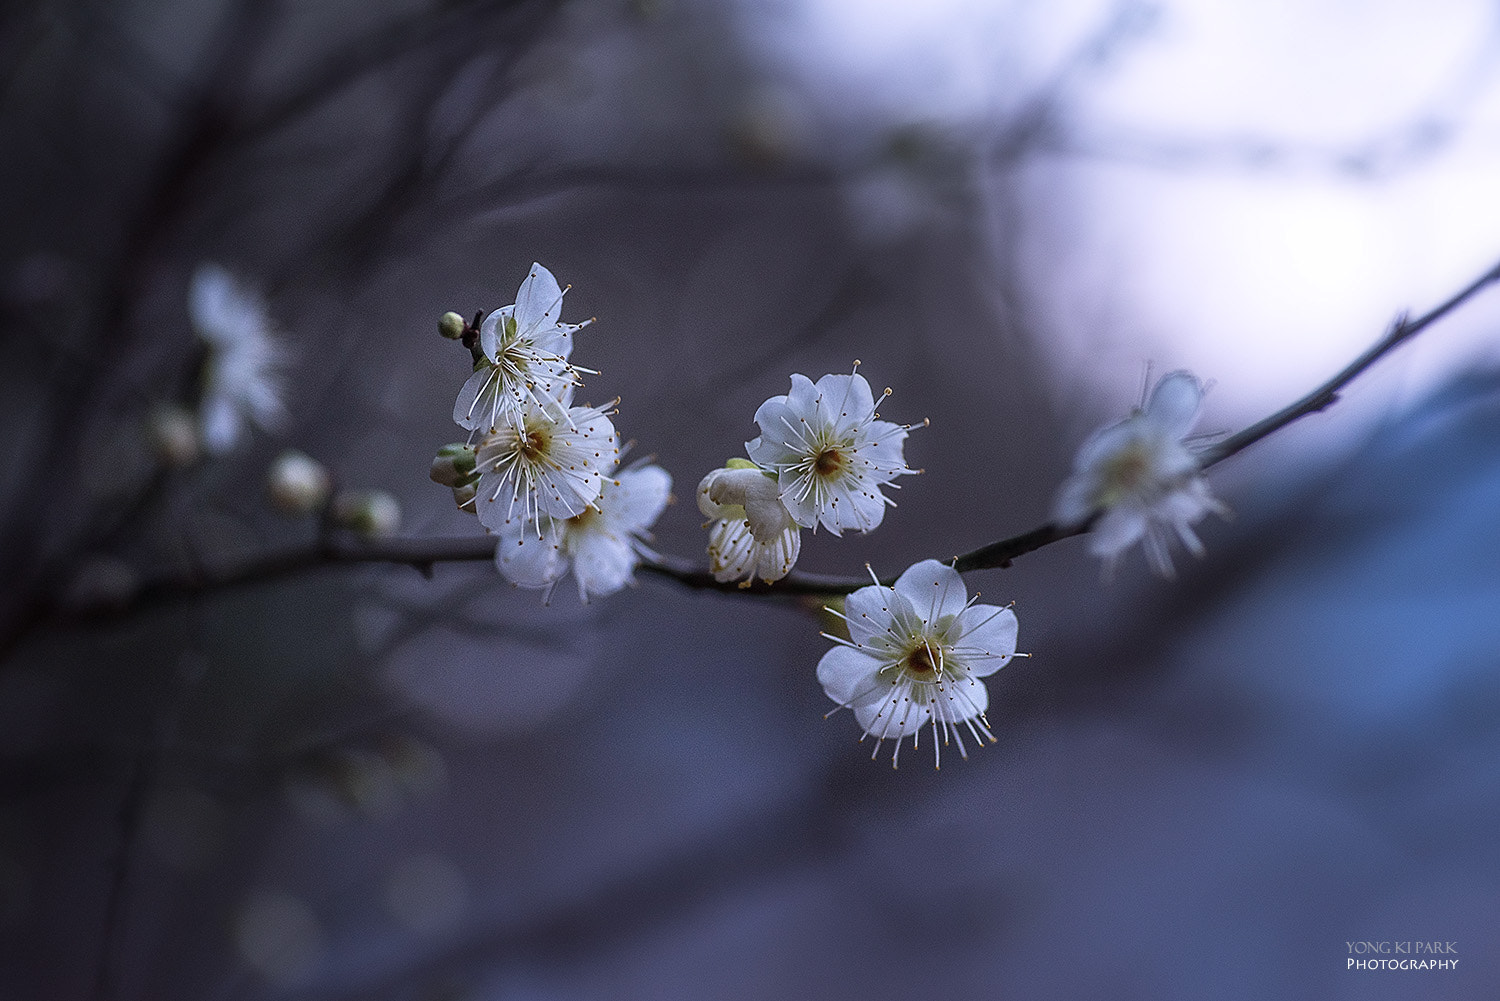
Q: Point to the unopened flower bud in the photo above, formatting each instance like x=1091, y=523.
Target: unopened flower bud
x=173, y=433
x=453, y=466
x=297, y=483
x=371, y=513
x=451, y=325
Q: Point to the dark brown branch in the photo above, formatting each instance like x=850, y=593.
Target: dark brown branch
x=424, y=554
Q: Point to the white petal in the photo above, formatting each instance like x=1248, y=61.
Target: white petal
x=602, y=562
x=538, y=302
x=1175, y=402
x=636, y=498
x=934, y=590
x=490, y=332
x=803, y=398
x=757, y=493
x=1116, y=530
x=221, y=423
x=711, y=508
x=529, y=561
x=498, y=503
x=804, y=510
x=475, y=408
x=845, y=401
x=845, y=674
x=868, y=613
x=775, y=559
x=783, y=434
x=859, y=507
x=878, y=451
x=1075, y=500
x=986, y=638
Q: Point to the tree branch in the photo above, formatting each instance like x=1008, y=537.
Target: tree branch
x=425, y=554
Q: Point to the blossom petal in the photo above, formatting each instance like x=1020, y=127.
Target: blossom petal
x=846, y=674
x=855, y=505
x=490, y=332
x=878, y=452
x=538, y=302
x=1174, y=403
x=221, y=424
x=1117, y=530
x=602, y=561
x=757, y=493
x=867, y=612
x=476, y=404
x=783, y=434
x=986, y=638
x=636, y=498
x=934, y=590
x=529, y=561
x=803, y=397
x=844, y=402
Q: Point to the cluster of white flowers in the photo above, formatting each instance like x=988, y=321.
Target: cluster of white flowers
x=538, y=471
x=821, y=458
x=541, y=474
x=1142, y=480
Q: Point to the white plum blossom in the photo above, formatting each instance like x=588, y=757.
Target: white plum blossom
x=525, y=356
x=543, y=459
x=242, y=374
x=1142, y=479
x=602, y=544
x=750, y=532
x=914, y=658
x=830, y=454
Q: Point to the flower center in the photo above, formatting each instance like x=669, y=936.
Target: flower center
x=1124, y=474
x=919, y=666
x=829, y=461
x=534, y=443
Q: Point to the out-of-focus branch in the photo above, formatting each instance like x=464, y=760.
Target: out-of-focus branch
x=425, y=554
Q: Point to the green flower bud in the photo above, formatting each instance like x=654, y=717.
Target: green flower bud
x=371, y=513
x=453, y=466
x=451, y=325
x=297, y=483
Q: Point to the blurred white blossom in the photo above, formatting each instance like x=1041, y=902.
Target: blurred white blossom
x=242, y=379
x=602, y=544
x=1142, y=479
x=914, y=657
x=829, y=452
x=525, y=356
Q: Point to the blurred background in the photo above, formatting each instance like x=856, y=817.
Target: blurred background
x=359, y=782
